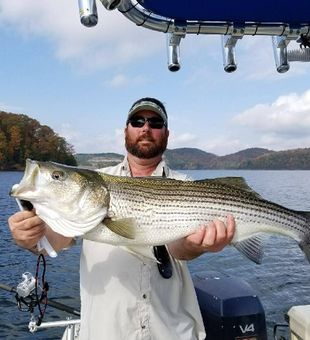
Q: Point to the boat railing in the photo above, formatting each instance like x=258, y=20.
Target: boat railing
x=72, y=326
x=71, y=332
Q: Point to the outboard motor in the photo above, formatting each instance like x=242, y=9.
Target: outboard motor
x=230, y=308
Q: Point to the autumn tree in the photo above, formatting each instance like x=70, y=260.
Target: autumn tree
x=3, y=148
x=14, y=143
x=22, y=137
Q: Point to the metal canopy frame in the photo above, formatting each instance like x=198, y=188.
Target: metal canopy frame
x=281, y=20
x=237, y=11
x=223, y=20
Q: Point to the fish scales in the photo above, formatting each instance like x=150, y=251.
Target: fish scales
x=200, y=206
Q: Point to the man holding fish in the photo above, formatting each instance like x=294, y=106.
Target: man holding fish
x=125, y=295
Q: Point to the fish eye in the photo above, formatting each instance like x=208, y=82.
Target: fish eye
x=58, y=175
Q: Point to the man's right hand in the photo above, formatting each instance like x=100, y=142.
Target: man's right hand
x=26, y=228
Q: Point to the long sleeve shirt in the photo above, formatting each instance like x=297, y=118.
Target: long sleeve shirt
x=126, y=298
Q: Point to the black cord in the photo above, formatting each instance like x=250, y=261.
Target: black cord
x=26, y=304
x=44, y=286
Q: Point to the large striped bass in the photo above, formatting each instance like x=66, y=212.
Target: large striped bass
x=136, y=212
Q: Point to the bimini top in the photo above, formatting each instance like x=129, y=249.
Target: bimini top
x=283, y=20
x=259, y=11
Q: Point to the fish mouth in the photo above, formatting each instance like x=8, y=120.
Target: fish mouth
x=27, y=184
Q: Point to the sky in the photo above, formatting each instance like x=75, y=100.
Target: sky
x=82, y=81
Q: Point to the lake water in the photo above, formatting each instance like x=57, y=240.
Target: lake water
x=281, y=281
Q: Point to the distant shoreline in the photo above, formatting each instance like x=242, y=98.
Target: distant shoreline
x=22, y=170
x=196, y=159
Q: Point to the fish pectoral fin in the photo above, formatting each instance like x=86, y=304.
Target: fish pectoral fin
x=252, y=248
x=125, y=227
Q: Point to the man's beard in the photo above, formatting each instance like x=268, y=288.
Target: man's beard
x=151, y=150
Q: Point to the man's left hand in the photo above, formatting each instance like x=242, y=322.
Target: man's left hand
x=212, y=237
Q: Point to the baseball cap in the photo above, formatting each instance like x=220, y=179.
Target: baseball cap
x=150, y=104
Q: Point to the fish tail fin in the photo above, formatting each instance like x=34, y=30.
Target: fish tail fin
x=304, y=244
x=305, y=247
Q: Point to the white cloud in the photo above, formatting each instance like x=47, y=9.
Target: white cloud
x=114, y=41
x=117, y=81
x=223, y=145
x=11, y=108
x=182, y=140
x=288, y=114
x=121, y=80
x=84, y=142
x=69, y=133
x=219, y=145
x=283, y=124
x=280, y=125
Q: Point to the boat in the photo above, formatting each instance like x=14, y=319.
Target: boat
x=230, y=308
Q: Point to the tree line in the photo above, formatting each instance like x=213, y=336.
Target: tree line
x=22, y=137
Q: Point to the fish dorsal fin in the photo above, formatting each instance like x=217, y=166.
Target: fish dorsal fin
x=251, y=248
x=306, y=214
x=238, y=182
x=125, y=179
x=235, y=182
x=125, y=227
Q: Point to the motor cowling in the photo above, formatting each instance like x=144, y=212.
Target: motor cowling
x=230, y=308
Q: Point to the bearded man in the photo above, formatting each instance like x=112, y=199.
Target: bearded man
x=124, y=297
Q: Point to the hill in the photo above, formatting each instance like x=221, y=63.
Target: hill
x=98, y=160
x=22, y=137
x=189, y=158
x=297, y=159
x=238, y=159
x=196, y=159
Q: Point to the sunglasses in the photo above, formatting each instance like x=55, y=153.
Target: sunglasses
x=154, y=122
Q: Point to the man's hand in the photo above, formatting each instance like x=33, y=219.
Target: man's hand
x=210, y=238
x=26, y=228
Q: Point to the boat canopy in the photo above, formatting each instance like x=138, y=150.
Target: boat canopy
x=268, y=11
x=283, y=20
